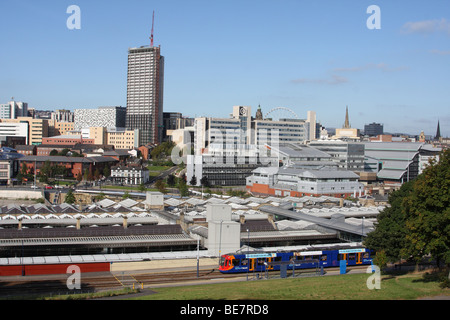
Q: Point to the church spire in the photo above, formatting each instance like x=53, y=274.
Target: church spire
x=438, y=132
x=259, y=115
x=347, y=122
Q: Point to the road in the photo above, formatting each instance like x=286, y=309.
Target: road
x=163, y=174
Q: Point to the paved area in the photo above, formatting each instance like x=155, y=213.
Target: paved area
x=157, y=265
x=143, y=293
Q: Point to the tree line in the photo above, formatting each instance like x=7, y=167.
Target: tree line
x=416, y=224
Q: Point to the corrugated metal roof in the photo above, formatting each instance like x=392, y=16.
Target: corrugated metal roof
x=108, y=257
x=328, y=223
x=393, y=146
x=390, y=174
x=302, y=152
x=391, y=155
x=401, y=165
x=324, y=173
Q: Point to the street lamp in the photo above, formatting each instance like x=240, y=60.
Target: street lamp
x=362, y=233
x=35, y=169
x=220, y=240
x=248, y=251
x=198, y=253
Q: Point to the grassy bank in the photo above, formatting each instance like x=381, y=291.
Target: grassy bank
x=346, y=287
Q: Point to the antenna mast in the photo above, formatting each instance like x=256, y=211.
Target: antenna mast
x=153, y=24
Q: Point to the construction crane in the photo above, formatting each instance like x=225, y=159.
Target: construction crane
x=153, y=24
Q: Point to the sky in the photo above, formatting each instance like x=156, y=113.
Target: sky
x=302, y=55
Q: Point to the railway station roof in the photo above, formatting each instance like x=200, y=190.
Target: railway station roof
x=125, y=257
x=336, y=223
x=148, y=235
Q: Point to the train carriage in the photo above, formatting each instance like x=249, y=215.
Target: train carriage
x=262, y=261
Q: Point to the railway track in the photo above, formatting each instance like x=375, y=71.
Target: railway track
x=30, y=287
x=16, y=287
x=187, y=276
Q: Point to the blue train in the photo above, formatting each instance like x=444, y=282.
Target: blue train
x=263, y=261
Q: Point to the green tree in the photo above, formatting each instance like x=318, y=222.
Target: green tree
x=418, y=221
x=193, y=181
x=390, y=232
x=22, y=173
x=70, y=198
x=427, y=212
x=381, y=259
x=126, y=195
x=96, y=174
x=161, y=186
x=183, y=188
x=205, y=182
x=106, y=171
x=76, y=154
x=24, y=169
x=163, y=150
x=171, y=180
x=46, y=169
x=64, y=152
x=142, y=187
x=100, y=196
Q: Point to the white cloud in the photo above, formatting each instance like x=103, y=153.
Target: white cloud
x=427, y=26
x=440, y=52
x=335, y=79
x=372, y=66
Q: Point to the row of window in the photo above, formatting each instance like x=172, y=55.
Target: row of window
x=299, y=258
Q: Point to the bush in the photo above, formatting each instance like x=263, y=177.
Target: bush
x=445, y=280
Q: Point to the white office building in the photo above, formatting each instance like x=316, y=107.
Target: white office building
x=13, y=110
x=226, y=150
x=348, y=155
x=129, y=175
x=296, y=182
x=108, y=117
x=14, y=129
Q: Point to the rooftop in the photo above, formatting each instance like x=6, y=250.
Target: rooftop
x=393, y=146
x=301, y=151
x=68, y=159
x=321, y=173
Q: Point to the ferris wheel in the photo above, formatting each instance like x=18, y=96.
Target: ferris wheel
x=281, y=113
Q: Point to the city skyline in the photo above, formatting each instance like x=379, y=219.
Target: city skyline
x=299, y=55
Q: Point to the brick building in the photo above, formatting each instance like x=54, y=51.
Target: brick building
x=75, y=165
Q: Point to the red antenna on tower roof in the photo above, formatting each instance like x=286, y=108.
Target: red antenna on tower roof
x=153, y=24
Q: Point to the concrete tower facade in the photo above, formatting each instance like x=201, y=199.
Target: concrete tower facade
x=145, y=86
